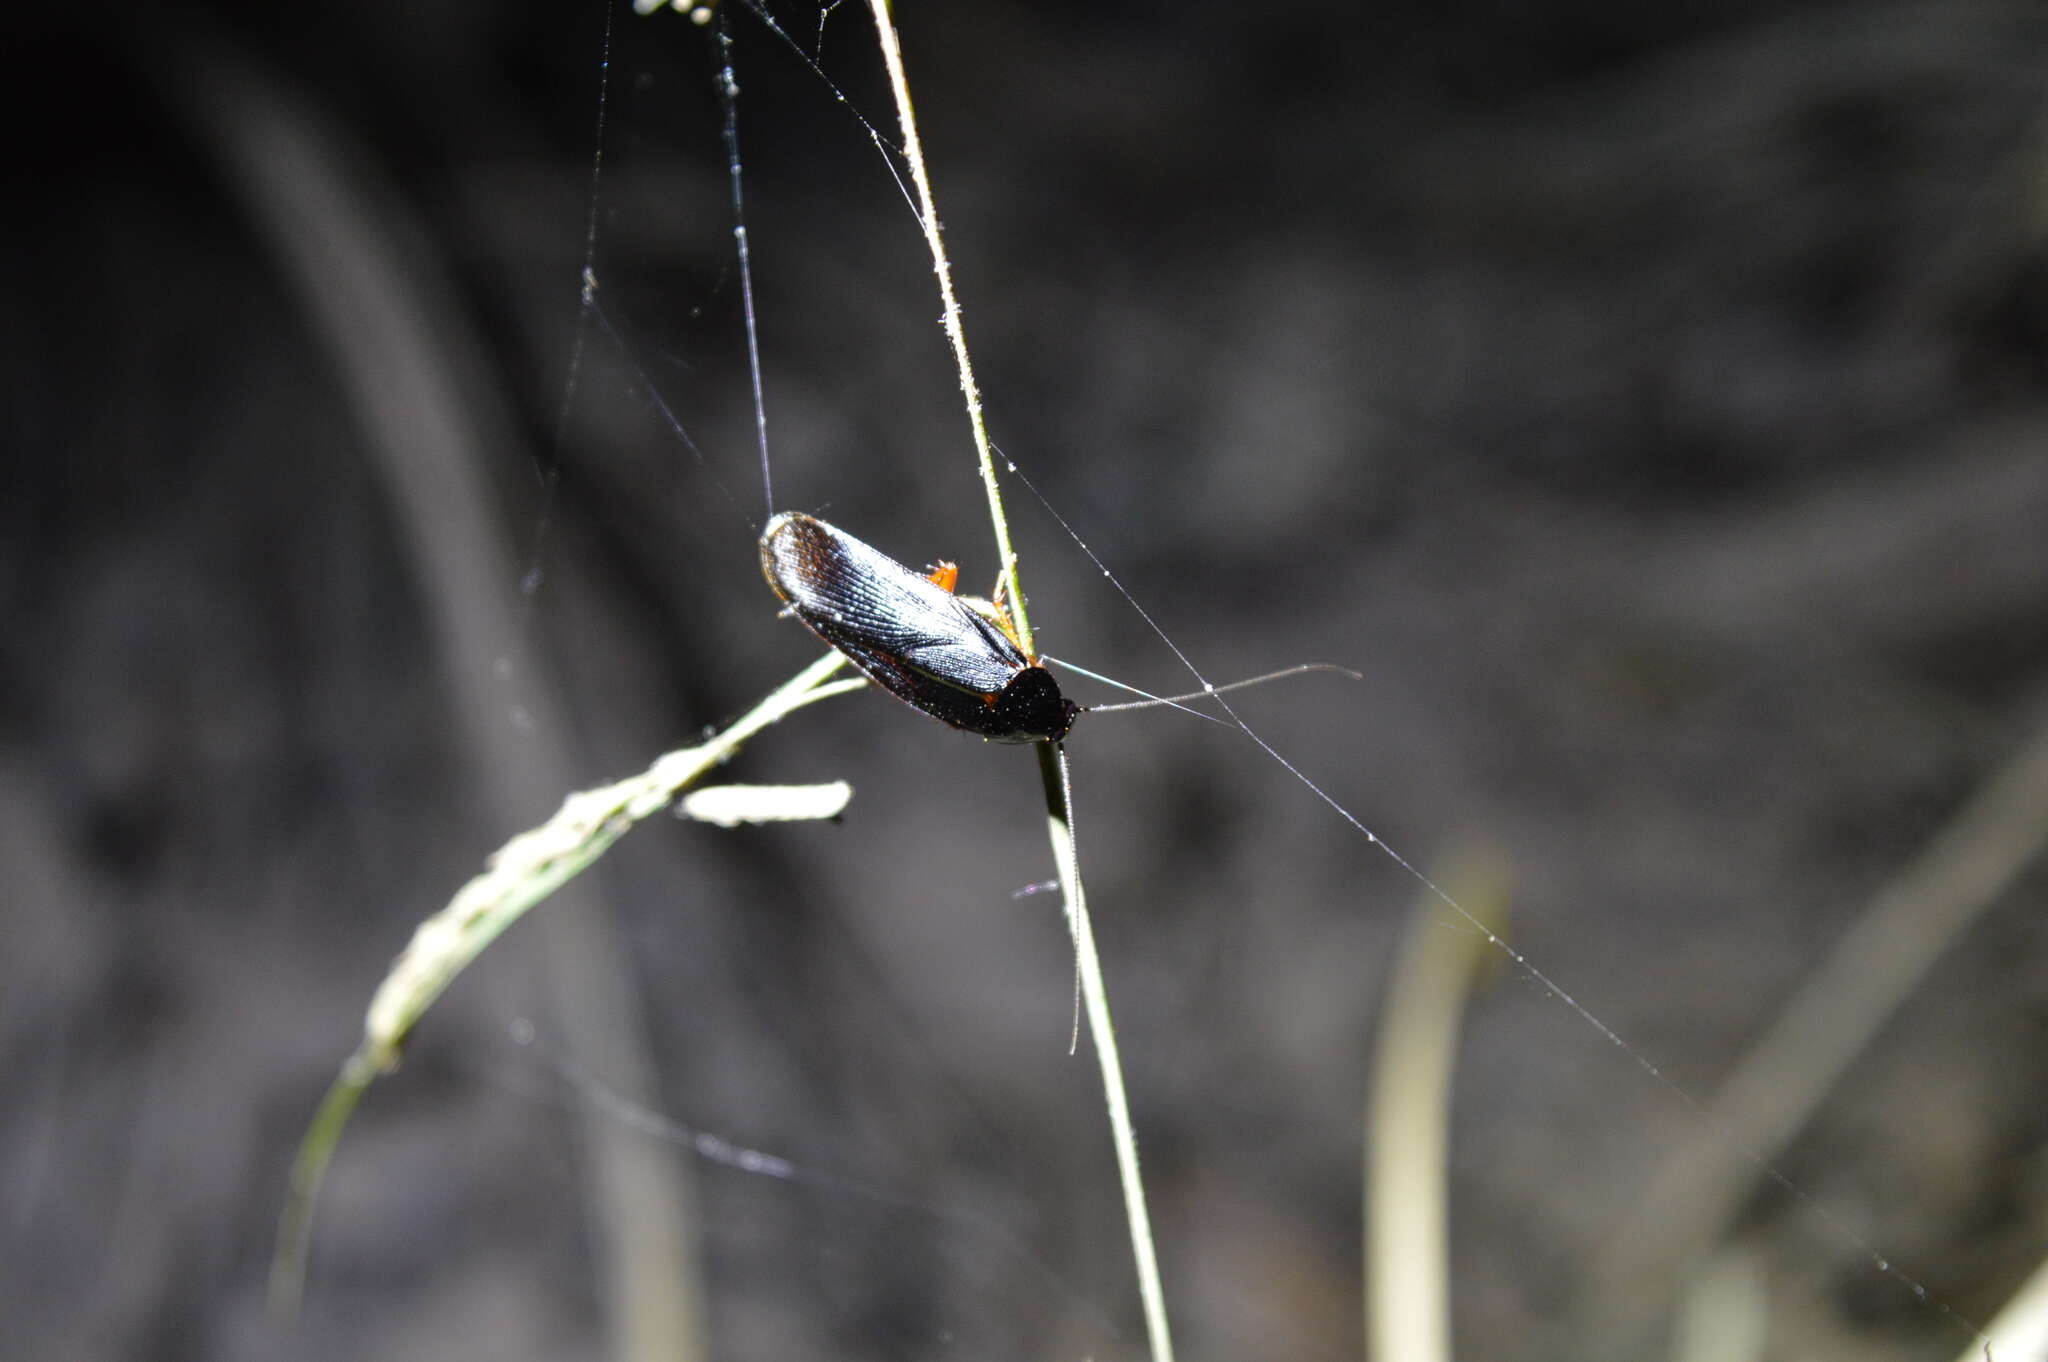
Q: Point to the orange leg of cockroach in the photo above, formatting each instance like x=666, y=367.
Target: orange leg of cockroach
x=1001, y=606
x=995, y=610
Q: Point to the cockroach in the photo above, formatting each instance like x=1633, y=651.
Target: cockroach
x=937, y=652
x=952, y=657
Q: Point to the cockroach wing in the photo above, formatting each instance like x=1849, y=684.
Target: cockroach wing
x=831, y=578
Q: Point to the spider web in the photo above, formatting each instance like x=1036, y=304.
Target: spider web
x=1644, y=762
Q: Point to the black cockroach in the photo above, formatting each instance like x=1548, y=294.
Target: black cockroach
x=952, y=657
x=910, y=634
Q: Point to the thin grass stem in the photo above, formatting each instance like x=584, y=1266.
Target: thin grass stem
x=1052, y=761
x=928, y=218
x=1095, y=998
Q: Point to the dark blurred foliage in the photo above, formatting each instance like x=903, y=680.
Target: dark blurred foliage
x=1647, y=399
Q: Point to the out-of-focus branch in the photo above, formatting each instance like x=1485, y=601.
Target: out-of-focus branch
x=1779, y=1084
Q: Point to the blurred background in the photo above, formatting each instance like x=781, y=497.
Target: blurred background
x=1647, y=400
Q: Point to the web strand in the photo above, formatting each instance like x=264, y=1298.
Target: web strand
x=548, y=468
x=1879, y=1261
x=891, y=154
x=729, y=102
x=724, y=1153
x=660, y=403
